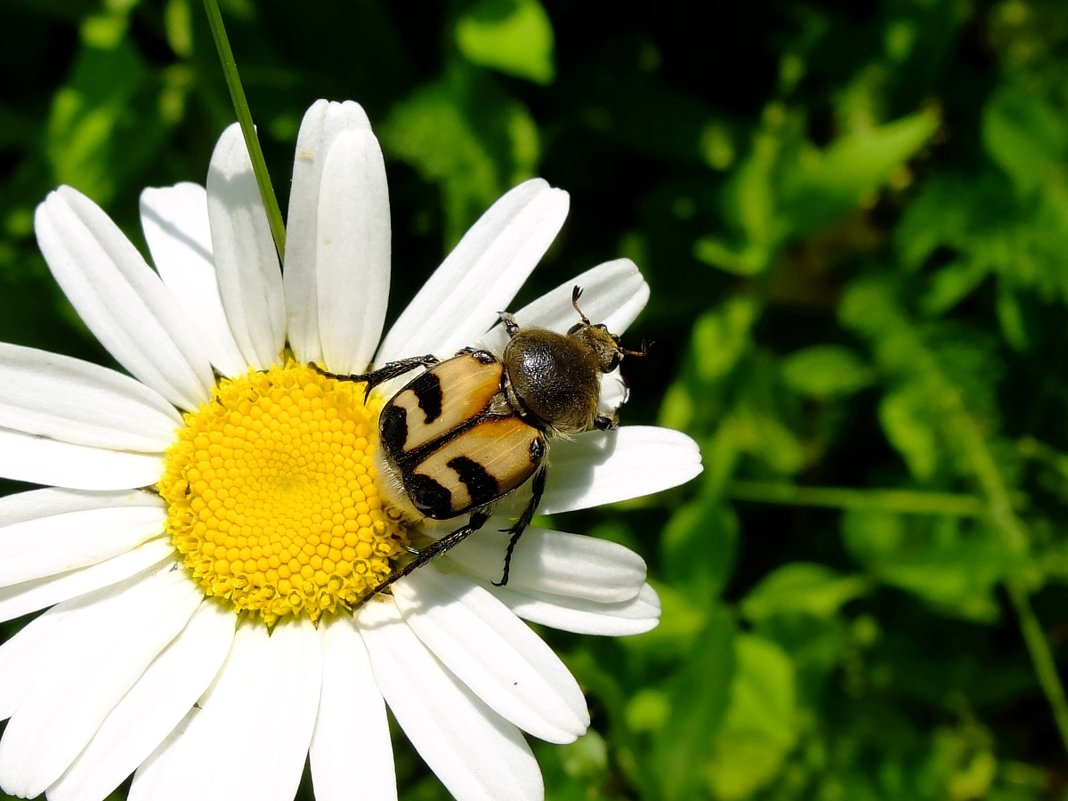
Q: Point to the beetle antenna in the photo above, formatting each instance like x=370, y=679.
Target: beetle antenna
x=643, y=352
x=576, y=293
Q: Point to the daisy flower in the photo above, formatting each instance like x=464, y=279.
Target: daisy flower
x=208, y=523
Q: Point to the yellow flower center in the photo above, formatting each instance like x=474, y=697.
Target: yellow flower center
x=272, y=495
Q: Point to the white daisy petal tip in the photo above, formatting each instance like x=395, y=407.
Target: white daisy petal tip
x=637, y=616
x=555, y=563
x=601, y=467
x=482, y=274
x=120, y=298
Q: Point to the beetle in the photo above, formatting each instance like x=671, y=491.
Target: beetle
x=474, y=428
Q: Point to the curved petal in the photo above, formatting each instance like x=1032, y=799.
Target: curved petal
x=67, y=399
x=267, y=693
x=613, y=293
x=120, y=299
x=352, y=271
x=555, y=563
x=600, y=467
x=29, y=596
x=494, y=653
x=636, y=616
x=35, y=647
x=25, y=457
x=175, y=222
x=246, y=263
x=344, y=756
x=322, y=124
x=475, y=753
x=71, y=530
x=480, y=277
x=67, y=703
x=153, y=707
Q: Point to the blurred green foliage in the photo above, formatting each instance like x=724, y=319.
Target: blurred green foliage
x=854, y=218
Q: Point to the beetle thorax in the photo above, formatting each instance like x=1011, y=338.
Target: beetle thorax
x=554, y=379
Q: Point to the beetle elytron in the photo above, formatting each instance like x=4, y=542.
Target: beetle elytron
x=473, y=428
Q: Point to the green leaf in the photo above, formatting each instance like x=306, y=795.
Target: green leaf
x=1025, y=136
x=465, y=134
x=802, y=588
x=825, y=185
x=762, y=420
x=826, y=371
x=91, y=117
x=700, y=545
x=949, y=564
x=951, y=284
x=761, y=724
x=720, y=339
x=512, y=36
x=912, y=426
x=700, y=695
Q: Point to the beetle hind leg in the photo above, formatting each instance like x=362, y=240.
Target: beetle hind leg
x=386, y=372
x=521, y=525
x=436, y=548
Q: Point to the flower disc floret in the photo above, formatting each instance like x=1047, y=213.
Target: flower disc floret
x=272, y=495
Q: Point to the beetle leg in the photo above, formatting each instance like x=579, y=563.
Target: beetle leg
x=510, y=325
x=478, y=519
x=606, y=422
x=386, y=372
x=536, y=491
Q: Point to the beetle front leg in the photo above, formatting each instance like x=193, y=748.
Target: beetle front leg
x=386, y=372
x=606, y=422
x=521, y=525
x=510, y=325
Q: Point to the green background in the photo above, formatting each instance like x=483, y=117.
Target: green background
x=854, y=218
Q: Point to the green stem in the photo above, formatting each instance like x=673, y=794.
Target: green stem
x=963, y=429
x=900, y=501
x=1041, y=656
x=1005, y=520
x=244, y=118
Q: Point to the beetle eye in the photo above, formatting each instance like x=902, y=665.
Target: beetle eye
x=613, y=363
x=601, y=327
x=575, y=328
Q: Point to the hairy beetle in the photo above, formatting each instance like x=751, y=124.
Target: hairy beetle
x=474, y=428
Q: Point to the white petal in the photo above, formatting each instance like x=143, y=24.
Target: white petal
x=51, y=531
x=600, y=467
x=613, y=293
x=175, y=222
x=58, y=397
x=249, y=736
x=246, y=262
x=120, y=299
x=322, y=124
x=477, y=754
x=345, y=756
x=24, y=457
x=29, y=596
x=152, y=708
x=636, y=616
x=68, y=700
x=555, y=562
x=480, y=277
x=354, y=249
x=31, y=650
x=494, y=653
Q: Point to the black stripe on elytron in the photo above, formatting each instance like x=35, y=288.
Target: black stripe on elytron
x=393, y=426
x=428, y=496
x=481, y=486
x=427, y=389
